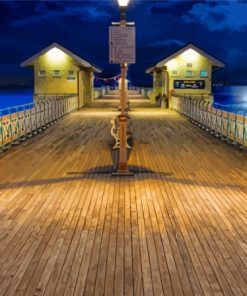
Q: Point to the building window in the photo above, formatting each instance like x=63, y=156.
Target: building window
x=189, y=73
x=175, y=73
x=42, y=73
x=71, y=75
x=204, y=73
x=56, y=73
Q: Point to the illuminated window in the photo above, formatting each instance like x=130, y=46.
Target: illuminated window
x=71, y=75
x=189, y=73
x=204, y=73
x=42, y=73
x=56, y=73
x=175, y=73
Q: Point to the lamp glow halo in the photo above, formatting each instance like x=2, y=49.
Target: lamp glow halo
x=123, y=3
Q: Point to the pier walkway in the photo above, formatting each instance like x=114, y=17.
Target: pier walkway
x=177, y=227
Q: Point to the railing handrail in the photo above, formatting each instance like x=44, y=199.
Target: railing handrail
x=225, y=124
x=16, y=106
x=25, y=122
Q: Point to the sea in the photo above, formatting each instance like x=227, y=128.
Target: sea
x=229, y=98
x=12, y=100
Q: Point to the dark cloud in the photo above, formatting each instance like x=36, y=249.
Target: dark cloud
x=218, y=27
x=167, y=43
x=174, y=8
x=54, y=6
x=229, y=15
x=212, y=3
x=6, y=11
x=27, y=13
x=159, y=9
x=217, y=17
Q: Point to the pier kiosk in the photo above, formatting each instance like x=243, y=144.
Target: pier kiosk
x=58, y=71
x=185, y=72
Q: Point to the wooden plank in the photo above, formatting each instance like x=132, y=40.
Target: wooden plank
x=178, y=227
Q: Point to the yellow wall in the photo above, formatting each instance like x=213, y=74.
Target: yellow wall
x=53, y=85
x=198, y=62
x=180, y=64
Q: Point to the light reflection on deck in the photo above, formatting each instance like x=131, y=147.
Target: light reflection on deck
x=178, y=227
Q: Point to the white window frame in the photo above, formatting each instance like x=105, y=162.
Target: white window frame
x=175, y=73
x=188, y=75
x=42, y=75
x=58, y=74
x=71, y=76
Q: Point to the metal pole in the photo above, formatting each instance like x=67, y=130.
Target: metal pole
x=122, y=166
x=123, y=89
x=122, y=163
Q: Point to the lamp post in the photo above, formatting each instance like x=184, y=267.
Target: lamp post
x=123, y=4
x=122, y=163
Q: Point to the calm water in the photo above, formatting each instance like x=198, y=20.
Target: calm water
x=230, y=98
x=11, y=98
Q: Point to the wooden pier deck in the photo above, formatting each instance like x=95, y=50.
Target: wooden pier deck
x=178, y=227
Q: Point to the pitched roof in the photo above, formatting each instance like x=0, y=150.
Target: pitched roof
x=161, y=63
x=80, y=61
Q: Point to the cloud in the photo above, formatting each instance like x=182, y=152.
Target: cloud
x=174, y=8
x=6, y=11
x=48, y=12
x=223, y=15
x=167, y=42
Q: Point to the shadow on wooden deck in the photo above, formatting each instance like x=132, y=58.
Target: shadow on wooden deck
x=103, y=173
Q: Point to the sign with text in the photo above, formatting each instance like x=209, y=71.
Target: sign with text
x=189, y=84
x=122, y=47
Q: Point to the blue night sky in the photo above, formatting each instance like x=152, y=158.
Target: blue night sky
x=217, y=27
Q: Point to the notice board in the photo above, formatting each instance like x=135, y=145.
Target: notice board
x=122, y=45
x=189, y=84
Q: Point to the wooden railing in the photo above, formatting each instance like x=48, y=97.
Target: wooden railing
x=27, y=120
x=226, y=125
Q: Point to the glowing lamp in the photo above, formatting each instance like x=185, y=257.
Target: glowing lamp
x=56, y=54
x=190, y=55
x=123, y=3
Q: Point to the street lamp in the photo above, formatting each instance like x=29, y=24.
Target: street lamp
x=122, y=163
x=123, y=4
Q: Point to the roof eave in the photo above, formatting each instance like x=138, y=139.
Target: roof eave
x=26, y=63
x=96, y=69
x=150, y=70
x=80, y=61
x=215, y=62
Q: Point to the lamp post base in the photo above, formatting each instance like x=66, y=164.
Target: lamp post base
x=122, y=170
x=122, y=174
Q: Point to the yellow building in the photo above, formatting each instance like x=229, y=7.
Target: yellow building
x=187, y=71
x=59, y=71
